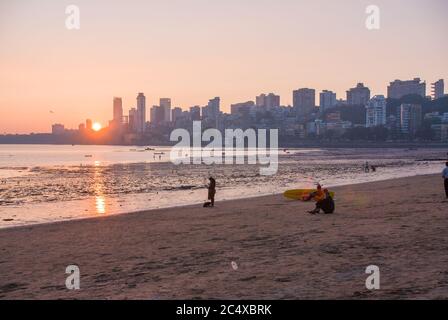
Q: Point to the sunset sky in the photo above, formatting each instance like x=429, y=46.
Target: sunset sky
x=194, y=50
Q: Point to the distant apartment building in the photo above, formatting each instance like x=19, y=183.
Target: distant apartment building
x=304, y=101
x=327, y=99
x=165, y=103
x=358, y=95
x=376, y=111
x=211, y=111
x=176, y=114
x=89, y=124
x=240, y=108
x=438, y=89
x=410, y=116
x=398, y=88
x=117, y=120
x=157, y=115
x=195, y=113
x=267, y=101
x=141, y=113
x=132, y=120
x=57, y=129
x=440, y=132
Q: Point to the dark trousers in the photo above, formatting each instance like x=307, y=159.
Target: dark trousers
x=446, y=187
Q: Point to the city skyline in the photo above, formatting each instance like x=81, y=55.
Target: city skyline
x=54, y=75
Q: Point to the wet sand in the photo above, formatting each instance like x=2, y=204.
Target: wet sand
x=279, y=251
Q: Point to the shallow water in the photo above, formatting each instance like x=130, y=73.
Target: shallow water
x=42, y=183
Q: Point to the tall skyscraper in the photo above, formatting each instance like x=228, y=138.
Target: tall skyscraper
x=358, y=95
x=132, y=120
x=327, y=100
x=438, y=89
x=211, y=111
x=141, y=113
x=304, y=101
x=165, y=103
x=398, y=88
x=118, y=110
x=376, y=111
x=157, y=115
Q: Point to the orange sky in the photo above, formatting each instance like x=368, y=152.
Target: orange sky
x=194, y=50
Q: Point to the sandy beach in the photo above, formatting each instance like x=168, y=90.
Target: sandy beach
x=279, y=251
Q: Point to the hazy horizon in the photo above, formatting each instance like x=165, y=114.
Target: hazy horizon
x=194, y=50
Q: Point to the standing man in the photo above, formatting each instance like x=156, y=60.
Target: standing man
x=212, y=190
x=445, y=176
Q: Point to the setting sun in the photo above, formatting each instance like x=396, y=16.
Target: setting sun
x=96, y=126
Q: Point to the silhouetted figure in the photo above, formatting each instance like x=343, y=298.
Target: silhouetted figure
x=445, y=177
x=326, y=204
x=212, y=191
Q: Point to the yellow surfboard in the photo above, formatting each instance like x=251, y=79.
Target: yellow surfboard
x=301, y=194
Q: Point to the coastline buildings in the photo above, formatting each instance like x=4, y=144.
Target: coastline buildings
x=398, y=88
x=140, y=121
x=327, y=99
x=304, y=101
x=358, y=95
x=267, y=101
x=410, y=116
x=437, y=89
x=165, y=103
x=376, y=111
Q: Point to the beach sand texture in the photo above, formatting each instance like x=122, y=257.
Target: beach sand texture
x=278, y=250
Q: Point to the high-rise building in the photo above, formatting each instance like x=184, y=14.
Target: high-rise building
x=176, y=114
x=376, y=111
x=211, y=111
x=165, y=103
x=304, y=101
x=438, y=89
x=358, y=95
x=398, y=88
x=195, y=113
x=117, y=111
x=141, y=113
x=327, y=100
x=57, y=129
x=238, y=108
x=267, y=101
x=89, y=124
x=157, y=115
x=410, y=116
x=132, y=120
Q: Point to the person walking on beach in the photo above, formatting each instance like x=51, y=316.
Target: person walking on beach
x=366, y=167
x=445, y=177
x=212, y=191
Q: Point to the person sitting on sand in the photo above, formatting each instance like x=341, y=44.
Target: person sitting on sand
x=326, y=204
x=212, y=191
x=445, y=177
x=316, y=195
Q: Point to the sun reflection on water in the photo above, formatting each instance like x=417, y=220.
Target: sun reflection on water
x=98, y=184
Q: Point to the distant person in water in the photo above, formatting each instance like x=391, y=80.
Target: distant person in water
x=445, y=177
x=326, y=204
x=212, y=191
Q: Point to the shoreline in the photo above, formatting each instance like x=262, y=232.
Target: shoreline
x=194, y=205
x=281, y=252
